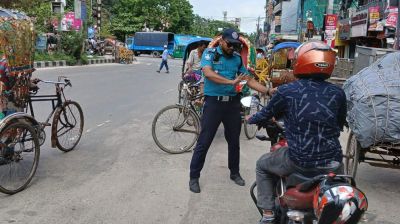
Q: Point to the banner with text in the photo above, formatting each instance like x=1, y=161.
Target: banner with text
x=330, y=29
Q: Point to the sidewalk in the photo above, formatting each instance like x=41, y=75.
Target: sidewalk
x=45, y=64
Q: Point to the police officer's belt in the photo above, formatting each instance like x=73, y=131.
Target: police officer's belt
x=224, y=98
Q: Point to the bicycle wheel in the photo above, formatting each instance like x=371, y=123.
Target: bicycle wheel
x=67, y=126
x=19, y=157
x=250, y=130
x=352, y=155
x=180, y=92
x=175, y=129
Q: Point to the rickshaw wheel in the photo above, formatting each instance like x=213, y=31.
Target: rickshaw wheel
x=352, y=156
x=20, y=153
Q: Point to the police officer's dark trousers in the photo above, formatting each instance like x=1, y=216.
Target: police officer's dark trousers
x=216, y=111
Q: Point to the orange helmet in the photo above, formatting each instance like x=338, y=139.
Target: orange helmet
x=314, y=59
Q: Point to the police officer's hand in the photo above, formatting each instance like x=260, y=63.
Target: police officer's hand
x=237, y=79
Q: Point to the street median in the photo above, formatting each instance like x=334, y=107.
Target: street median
x=45, y=64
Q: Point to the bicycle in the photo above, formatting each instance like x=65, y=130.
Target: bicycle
x=176, y=128
x=68, y=120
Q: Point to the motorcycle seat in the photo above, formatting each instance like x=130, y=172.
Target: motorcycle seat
x=307, y=174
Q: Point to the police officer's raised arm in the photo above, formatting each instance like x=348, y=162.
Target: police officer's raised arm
x=209, y=73
x=213, y=76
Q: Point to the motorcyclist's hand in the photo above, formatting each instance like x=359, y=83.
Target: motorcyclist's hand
x=271, y=91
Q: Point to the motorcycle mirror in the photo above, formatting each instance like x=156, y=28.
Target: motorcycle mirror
x=246, y=101
x=280, y=124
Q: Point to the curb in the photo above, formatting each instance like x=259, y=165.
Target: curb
x=45, y=64
x=100, y=61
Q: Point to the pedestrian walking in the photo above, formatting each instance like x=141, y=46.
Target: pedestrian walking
x=223, y=70
x=164, y=60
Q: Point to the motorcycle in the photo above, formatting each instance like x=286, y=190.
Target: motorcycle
x=322, y=196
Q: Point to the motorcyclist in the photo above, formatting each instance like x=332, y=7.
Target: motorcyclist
x=314, y=113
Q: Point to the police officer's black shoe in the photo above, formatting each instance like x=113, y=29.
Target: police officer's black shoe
x=194, y=185
x=238, y=179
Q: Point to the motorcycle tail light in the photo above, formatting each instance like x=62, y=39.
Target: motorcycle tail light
x=294, y=215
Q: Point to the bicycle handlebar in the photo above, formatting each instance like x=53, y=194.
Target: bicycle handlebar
x=66, y=82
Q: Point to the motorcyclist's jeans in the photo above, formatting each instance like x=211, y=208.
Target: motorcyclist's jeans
x=273, y=165
x=269, y=168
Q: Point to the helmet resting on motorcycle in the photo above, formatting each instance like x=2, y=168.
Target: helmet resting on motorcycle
x=314, y=59
x=339, y=203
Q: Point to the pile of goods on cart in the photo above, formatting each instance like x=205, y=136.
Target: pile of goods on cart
x=373, y=99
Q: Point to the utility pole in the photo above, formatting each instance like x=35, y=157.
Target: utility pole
x=300, y=20
x=398, y=26
x=329, y=7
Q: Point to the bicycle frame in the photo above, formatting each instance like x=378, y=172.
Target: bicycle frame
x=57, y=100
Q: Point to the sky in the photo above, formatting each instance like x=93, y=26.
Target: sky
x=247, y=10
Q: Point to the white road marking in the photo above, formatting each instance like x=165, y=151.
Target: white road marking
x=168, y=91
x=99, y=125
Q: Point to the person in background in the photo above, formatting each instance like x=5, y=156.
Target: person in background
x=193, y=61
x=164, y=60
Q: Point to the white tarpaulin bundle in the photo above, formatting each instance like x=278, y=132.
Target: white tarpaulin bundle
x=373, y=101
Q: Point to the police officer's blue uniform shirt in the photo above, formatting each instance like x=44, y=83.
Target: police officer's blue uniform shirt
x=225, y=66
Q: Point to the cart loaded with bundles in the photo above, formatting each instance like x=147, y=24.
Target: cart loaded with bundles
x=373, y=101
x=16, y=55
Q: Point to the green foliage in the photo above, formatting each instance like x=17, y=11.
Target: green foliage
x=209, y=28
x=39, y=10
x=84, y=59
x=69, y=6
x=252, y=37
x=72, y=44
x=130, y=16
x=40, y=56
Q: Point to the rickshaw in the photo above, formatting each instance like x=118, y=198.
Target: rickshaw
x=262, y=66
x=281, y=63
x=190, y=78
x=20, y=134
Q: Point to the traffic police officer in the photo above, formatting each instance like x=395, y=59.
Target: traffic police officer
x=223, y=70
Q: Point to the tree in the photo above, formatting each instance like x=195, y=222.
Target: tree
x=253, y=38
x=39, y=10
x=209, y=28
x=130, y=16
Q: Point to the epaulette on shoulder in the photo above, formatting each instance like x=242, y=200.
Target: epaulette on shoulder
x=236, y=53
x=211, y=50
